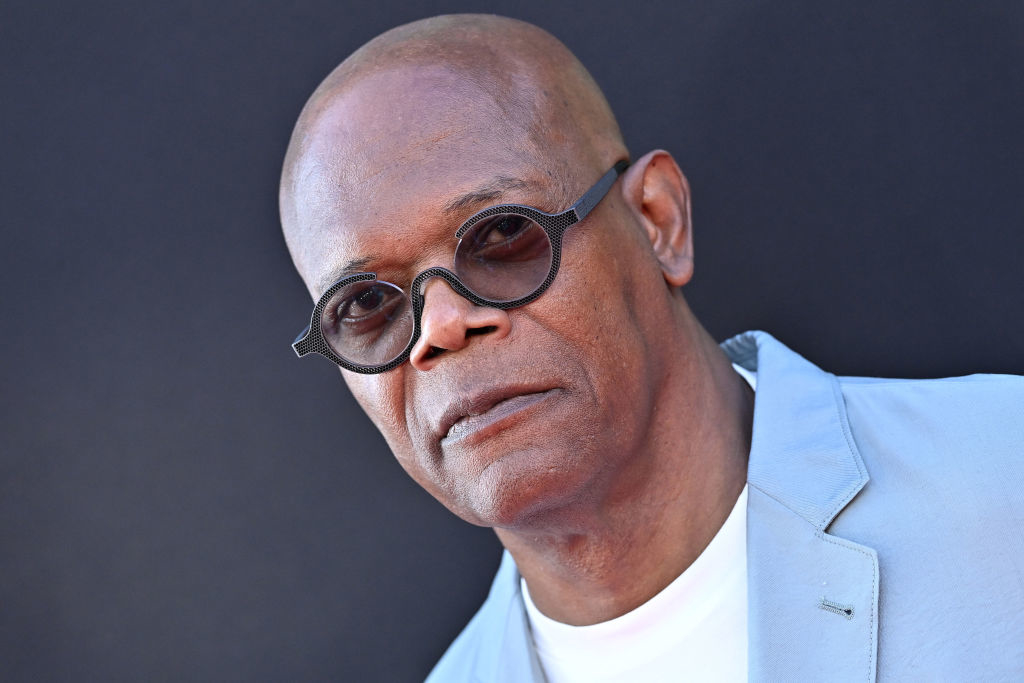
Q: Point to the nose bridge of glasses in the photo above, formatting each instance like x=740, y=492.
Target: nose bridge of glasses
x=420, y=282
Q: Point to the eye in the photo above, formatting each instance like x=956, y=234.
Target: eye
x=504, y=238
x=502, y=228
x=365, y=302
x=364, y=308
x=367, y=322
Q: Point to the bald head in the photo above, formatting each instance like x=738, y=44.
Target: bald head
x=452, y=91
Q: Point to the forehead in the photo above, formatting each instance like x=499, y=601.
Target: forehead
x=391, y=152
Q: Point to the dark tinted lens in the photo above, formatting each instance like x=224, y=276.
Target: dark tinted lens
x=368, y=323
x=504, y=257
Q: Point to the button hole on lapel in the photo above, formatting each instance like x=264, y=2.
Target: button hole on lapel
x=835, y=607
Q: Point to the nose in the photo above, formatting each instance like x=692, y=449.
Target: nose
x=449, y=320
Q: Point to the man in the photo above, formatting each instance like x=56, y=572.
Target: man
x=503, y=294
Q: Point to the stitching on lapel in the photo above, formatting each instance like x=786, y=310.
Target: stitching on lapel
x=872, y=666
x=855, y=488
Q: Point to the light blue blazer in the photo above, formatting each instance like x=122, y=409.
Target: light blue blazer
x=884, y=533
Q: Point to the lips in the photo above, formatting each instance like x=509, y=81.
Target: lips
x=463, y=417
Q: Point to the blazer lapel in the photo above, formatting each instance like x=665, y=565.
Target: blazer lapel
x=506, y=653
x=812, y=596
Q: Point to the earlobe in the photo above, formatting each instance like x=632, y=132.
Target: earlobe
x=659, y=195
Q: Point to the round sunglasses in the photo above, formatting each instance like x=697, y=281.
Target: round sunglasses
x=507, y=256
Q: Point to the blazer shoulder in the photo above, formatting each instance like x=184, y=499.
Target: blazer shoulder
x=981, y=415
x=1006, y=381
x=457, y=663
x=488, y=637
x=945, y=453
x=983, y=405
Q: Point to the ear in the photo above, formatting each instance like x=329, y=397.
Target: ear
x=657, y=192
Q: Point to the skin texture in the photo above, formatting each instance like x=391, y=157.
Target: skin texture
x=609, y=485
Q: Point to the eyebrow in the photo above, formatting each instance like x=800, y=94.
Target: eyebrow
x=489, y=191
x=356, y=265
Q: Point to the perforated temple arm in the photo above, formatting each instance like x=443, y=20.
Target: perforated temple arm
x=594, y=195
x=300, y=344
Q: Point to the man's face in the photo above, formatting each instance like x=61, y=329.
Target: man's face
x=550, y=401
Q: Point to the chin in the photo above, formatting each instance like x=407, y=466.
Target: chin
x=520, y=488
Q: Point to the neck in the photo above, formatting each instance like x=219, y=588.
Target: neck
x=658, y=515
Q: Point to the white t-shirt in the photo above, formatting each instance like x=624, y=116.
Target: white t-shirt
x=695, y=629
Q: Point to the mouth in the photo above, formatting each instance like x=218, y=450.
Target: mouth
x=476, y=416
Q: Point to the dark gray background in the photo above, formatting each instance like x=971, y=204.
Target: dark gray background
x=182, y=499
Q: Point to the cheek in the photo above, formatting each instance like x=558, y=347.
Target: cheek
x=602, y=293
x=382, y=398
x=613, y=309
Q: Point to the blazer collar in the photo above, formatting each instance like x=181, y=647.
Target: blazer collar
x=802, y=453
x=506, y=652
x=812, y=596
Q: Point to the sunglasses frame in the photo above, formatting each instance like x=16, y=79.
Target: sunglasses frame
x=311, y=339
